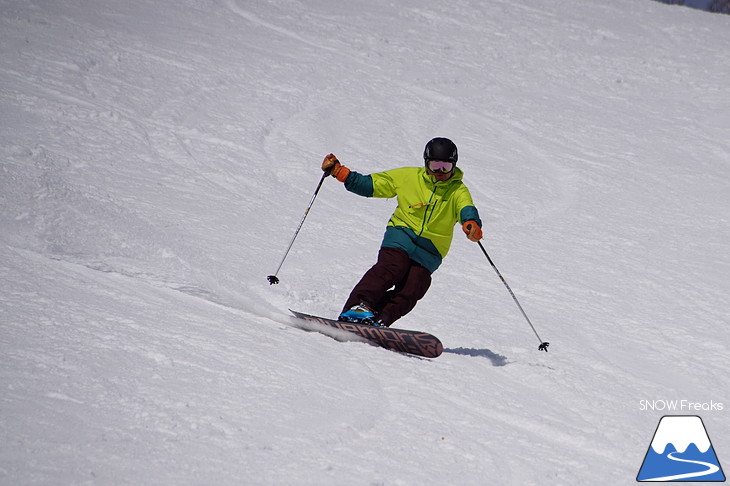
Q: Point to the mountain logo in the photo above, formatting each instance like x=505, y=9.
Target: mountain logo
x=681, y=451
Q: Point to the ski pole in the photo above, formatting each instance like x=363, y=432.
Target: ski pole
x=543, y=344
x=273, y=278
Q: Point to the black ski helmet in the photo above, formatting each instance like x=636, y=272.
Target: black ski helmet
x=440, y=149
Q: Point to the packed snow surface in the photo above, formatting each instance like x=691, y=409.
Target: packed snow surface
x=157, y=157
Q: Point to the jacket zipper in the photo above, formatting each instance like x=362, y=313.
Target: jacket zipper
x=426, y=216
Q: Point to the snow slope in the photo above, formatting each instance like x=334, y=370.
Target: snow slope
x=156, y=158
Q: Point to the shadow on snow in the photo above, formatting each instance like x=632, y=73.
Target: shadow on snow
x=496, y=359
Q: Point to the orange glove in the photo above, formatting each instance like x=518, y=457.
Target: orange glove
x=337, y=170
x=472, y=230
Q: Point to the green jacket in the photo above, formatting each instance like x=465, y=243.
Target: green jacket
x=423, y=222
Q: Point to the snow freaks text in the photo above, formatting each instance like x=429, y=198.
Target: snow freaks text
x=680, y=406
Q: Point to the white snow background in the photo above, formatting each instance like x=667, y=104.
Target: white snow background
x=156, y=158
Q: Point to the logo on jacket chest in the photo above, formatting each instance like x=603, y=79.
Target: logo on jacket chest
x=426, y=204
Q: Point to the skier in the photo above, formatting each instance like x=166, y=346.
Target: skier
x=431, y=200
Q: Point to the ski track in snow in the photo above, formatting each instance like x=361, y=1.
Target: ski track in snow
x=155, y=159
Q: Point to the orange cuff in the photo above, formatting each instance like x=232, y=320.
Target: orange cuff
x=341, y=173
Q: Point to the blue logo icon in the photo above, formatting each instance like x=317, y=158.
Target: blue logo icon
x=681, y=451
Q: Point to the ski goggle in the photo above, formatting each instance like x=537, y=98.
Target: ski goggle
x=440, y=166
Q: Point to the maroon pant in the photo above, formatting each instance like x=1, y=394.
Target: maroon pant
x=392, y=287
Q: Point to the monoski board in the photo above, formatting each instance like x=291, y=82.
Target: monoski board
x=402, y=340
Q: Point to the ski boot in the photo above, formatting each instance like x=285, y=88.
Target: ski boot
x=359, y=314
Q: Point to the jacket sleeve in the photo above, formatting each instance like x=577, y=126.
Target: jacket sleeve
x=468, y=212
x=359, y=184
x=378, y=184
